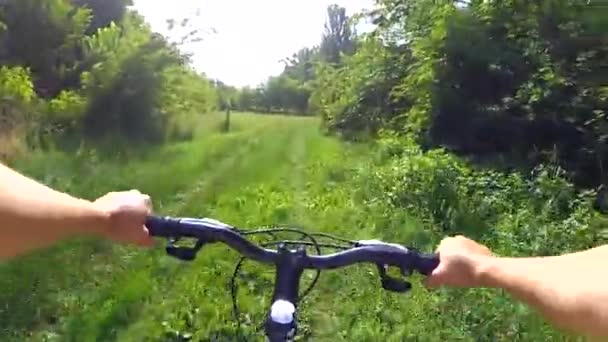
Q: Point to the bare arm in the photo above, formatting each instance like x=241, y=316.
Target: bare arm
x=570, y=291
x=33, y=215
x=10, y=179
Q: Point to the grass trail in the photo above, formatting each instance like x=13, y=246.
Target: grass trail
x=269, y=170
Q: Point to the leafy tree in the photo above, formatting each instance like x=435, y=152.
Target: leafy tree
x=104, y=11
x=248, y=99
x=518, y=79
x=228, y=96
x=43, y=35
x=339, y=37
x=17, y=92
x=98, y=72
x=301, y=65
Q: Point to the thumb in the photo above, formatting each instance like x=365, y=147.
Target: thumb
x=436, y=278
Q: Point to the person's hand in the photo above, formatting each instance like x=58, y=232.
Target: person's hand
x=460, y=260
x=127, y=212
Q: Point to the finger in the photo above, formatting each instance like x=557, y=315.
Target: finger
x=145, y=240
x=436, y=278
x=148, y=203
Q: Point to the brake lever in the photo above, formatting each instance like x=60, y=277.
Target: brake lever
x=183, y=253
x=392, y=284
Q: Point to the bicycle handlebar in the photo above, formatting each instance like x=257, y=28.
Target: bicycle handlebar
x=281, y=323
x=372, y=251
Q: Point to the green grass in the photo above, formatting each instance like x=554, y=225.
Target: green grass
x=267, y=170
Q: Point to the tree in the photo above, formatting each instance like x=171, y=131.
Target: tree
x=104, y=11
x=339, y=37
x=43, y=35
x=518, y=79
x=96, y=70
x=228, y=96
x=301, y=65
x=248, y=99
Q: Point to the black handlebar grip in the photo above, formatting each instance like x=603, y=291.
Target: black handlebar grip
x=162, y=226
x=427, y=263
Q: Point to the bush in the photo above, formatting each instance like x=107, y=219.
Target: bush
x=509, y=79
x=95, y=81
x=18, y=109
x=538, y=214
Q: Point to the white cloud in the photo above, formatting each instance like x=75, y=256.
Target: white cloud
x=252, y=36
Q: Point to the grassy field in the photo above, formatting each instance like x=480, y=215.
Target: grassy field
x=267, y=170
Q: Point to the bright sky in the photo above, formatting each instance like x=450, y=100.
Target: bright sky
x=251, y=36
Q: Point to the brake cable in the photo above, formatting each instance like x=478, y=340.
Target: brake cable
x=271, y=231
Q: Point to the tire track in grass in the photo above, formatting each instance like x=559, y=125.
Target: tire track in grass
x=115, y=317
x=327, y=204
x=221, y=325
x=272, y=184
x=212, y=319
x=192, y=287
x=277, y=180
x=313, y=159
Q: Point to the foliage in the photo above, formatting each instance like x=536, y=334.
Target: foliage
x=98, y=72
x=539, y=214
x=104, y=12
x=228, y=96
x=52, y=30
x=356, y=96
x=338, y=38
x=483, y=78
x=300, y=66
x=143, y=79
x=18, y=100
x=486, y=204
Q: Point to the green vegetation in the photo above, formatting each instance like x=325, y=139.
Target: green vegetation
x=512, y=82
x=93, y=71
x=514, y=88
x=280, y=170
x=515, y=83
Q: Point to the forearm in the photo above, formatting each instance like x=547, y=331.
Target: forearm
x=33, y=215
x=10, y=179
x=571, y=291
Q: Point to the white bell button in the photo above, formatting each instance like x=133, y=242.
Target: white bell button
x=282, y=312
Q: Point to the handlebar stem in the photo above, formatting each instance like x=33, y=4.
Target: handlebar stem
x=282, y=326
